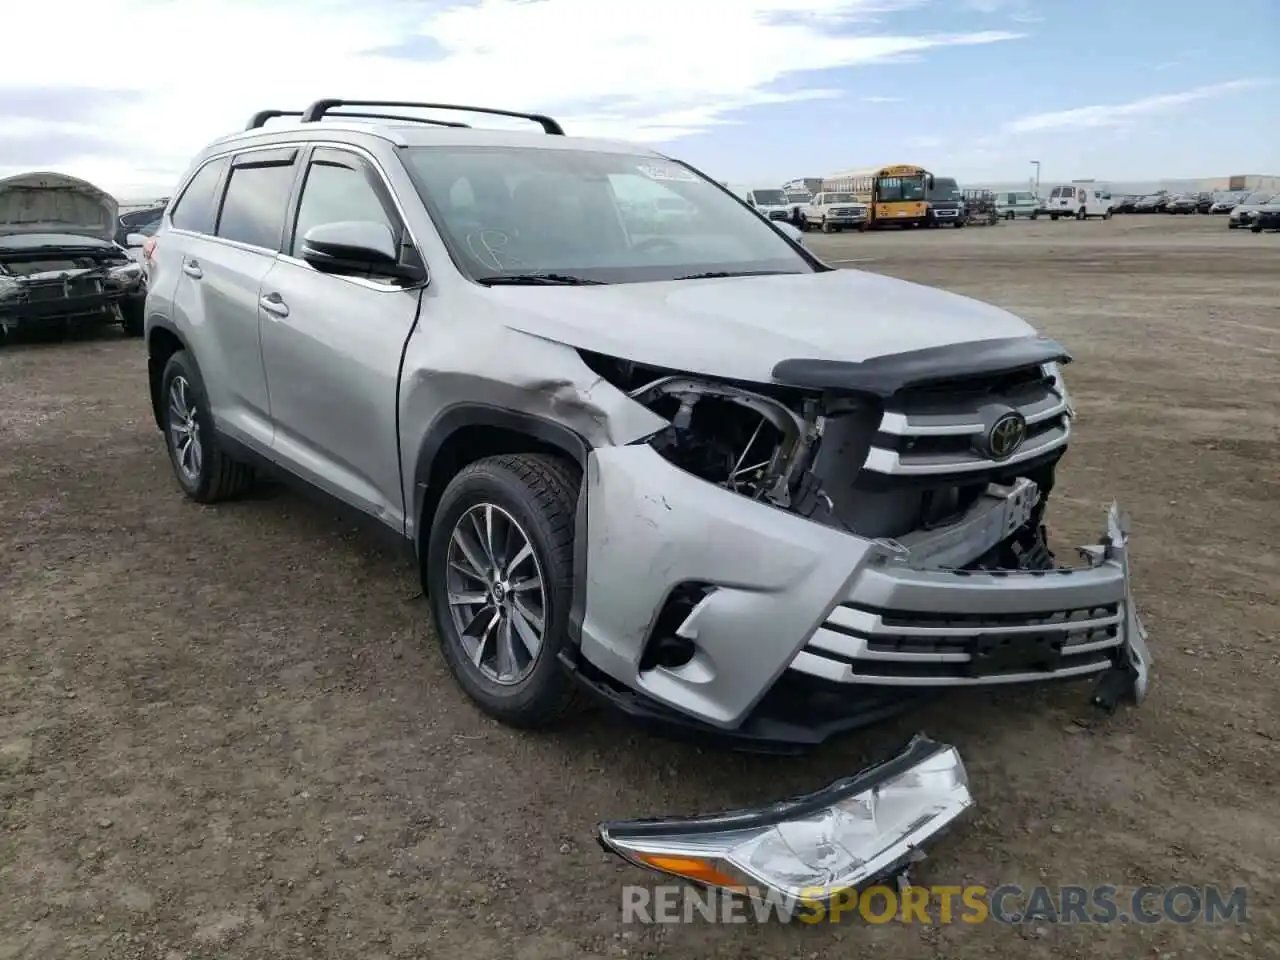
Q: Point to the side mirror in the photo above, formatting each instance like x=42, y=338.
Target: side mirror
x=357, y=247
x=135, y=240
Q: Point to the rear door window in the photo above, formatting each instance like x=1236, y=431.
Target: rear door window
x=257, y=198
x=196, y=208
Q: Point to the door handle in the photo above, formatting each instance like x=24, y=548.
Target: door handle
x=274, y=303
x=192, y=269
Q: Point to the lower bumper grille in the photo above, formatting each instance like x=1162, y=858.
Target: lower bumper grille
x=865, y=645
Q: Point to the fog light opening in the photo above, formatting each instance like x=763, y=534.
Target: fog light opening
x=665, y=647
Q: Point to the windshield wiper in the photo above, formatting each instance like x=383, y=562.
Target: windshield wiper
x=539, y=279
x=721, y=274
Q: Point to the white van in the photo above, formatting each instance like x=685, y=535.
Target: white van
x=770, y=202
x=1081, y=202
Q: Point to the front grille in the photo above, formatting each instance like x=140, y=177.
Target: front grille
x=861, y=644
x=63, y=289
x=846, y=212
x=942, y=429
x=777, y=214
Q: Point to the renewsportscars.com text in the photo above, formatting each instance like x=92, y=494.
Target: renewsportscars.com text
x=941, y=905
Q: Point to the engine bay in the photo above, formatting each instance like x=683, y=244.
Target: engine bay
x=804, y=450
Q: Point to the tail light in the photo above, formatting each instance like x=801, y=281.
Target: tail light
x=149, y=249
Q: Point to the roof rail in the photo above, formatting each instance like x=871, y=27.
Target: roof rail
x=320, y=108
x=262, y=116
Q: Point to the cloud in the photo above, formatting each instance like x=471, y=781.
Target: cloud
x=643, y=73
x=1119, y=115
x=882, y=99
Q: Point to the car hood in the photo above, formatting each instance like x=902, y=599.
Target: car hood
x=739, y=328
x=56, y=203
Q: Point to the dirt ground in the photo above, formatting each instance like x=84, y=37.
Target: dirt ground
x=226, y=732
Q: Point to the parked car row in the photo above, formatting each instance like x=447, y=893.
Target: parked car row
x=1185, y=203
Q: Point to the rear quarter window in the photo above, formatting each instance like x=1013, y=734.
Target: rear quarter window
x=197, y=206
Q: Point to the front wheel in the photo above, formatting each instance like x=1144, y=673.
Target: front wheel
x=499, y=577
x=1257, y=227
x=133, y=316
x=826, y=227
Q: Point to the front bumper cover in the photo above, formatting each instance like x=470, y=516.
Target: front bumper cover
x=804, y=631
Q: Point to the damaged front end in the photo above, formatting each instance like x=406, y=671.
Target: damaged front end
x=784, y=562
x=65, y=285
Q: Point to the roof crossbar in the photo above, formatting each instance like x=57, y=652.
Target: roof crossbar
x=262, y=116
x=320, y=108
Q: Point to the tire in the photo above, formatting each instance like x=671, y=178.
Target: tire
x=1257, y=227
x=826, y=227
x=1081, y=215
x=959, y=224
x=1053, y=217
x=133, y=316
x=212, y=476
x=1232, y=226
x=537, y=495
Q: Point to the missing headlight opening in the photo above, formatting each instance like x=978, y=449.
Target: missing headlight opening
x=807, y=452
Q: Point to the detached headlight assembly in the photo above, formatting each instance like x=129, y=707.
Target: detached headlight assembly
x=854, y=832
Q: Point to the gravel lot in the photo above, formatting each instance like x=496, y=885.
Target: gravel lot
x=226, y=732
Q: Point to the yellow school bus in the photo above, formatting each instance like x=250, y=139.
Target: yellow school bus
x=896, y=194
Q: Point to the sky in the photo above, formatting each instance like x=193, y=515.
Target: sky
x=749, y=91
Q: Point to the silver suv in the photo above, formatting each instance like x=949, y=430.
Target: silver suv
x=679, y=463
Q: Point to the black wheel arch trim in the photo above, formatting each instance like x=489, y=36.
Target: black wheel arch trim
x=461, y=416
x=169, y=328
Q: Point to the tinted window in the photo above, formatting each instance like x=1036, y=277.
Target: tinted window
x=334, y=193
x=253, y=210
x=195, y=209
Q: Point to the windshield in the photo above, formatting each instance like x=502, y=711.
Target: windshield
x=901, y=188
x=769, y=196
x=839, y=198
x=945, y=189
x=605, y=217
x=799, y=197
x=1257, y=198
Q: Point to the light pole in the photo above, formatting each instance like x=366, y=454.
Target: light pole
x=1036, y=164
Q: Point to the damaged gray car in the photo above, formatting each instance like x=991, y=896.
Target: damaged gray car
x=680, y=465
x=59, y=262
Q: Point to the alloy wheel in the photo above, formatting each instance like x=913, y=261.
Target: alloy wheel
x=184, y=430
x=497, y=593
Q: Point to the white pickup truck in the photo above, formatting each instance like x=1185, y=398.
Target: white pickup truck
x=833, y=212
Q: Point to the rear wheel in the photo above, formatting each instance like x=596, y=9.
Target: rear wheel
x=499, y=577
x=204, y=470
